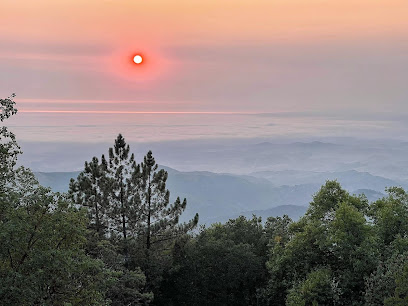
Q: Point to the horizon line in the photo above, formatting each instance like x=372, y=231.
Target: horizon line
x=79, y=101
x=141, y=112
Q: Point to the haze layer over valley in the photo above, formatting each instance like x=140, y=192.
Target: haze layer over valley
x=225, y=178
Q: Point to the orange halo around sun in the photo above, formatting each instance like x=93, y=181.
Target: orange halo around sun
x=133, y=65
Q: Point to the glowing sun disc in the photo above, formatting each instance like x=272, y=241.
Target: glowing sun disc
x=138, y=59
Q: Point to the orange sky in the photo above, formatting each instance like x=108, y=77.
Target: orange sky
x=194, y=21
x=212, y=55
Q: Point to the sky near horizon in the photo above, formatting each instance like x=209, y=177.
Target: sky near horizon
x=70, y=57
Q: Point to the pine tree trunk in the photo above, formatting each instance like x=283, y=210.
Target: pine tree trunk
x=148, y=234
x=149, y=200
x=98, y=222
x=122, y=206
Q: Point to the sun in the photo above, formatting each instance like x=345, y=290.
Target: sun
x=137, y=59
x=132, y=64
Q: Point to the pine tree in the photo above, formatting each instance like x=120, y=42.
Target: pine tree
x=121, y=169
x=90, y=189
x=158, y=222
x=106, y=190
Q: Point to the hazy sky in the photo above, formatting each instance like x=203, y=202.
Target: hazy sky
x=326, y=56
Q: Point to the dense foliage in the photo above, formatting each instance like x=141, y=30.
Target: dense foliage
x=116, y=239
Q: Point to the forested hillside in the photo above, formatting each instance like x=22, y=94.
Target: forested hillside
x=118, y=238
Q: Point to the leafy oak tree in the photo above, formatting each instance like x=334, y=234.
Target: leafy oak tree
x=383, y=282
x=42, y=238
x=42, y=257
x=332, y=245
x=223, y=265
x=9, y=149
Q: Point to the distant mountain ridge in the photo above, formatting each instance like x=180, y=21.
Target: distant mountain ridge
x=350, y=179
x=57, y=181
x=217, y=197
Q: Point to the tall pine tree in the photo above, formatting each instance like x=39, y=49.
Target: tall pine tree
x=121, y=166
x=158, y=220
x=106, y=190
